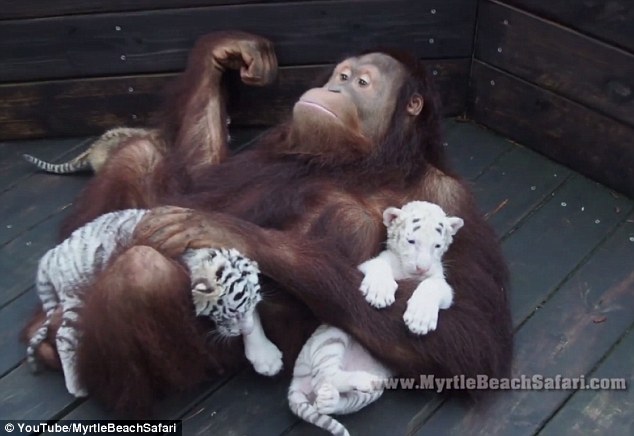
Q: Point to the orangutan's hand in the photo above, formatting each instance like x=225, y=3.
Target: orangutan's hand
x=252, y=55
x=171, y=230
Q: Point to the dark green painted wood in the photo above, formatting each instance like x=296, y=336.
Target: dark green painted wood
x=558, y=59
x=38, y=397
x=173, y=407
x=89, y=106
x=36, y=192
x=514, y=185
x=14, y=169
x=601, y=412
x=20, y=257
x=46, y=8
x=12, y=319
x=158, y=41
x=582, y=139
x=471, y=149
x=549, y=245
x=390, y=415
x=249, y=404
x=610, y=20
x=568, y=336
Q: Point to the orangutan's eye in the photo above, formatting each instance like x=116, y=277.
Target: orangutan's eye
x=343, y=77
x=363, y=83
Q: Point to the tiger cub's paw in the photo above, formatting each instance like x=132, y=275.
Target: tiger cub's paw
x=327, y=399
x=266, y=359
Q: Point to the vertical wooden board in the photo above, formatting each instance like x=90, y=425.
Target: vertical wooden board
x=248, y=404
x=563, y=61
x=514, y=185
x=566, y=337
x=610, y=20
x=38, y=397
x=605, y=411
x=550, y=244
x=158, y=41
x=13, y=317
x=21, y=257
x=471, y=148
x=584, y=140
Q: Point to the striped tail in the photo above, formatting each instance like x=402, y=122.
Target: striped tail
x=79, y=163
x=301, y=407
x=34, y=343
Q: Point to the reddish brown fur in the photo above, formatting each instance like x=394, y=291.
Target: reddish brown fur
x=308, y=218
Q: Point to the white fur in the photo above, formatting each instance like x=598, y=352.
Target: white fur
x=419, y=234
x=334, y=374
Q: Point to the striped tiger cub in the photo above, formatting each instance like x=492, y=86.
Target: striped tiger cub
x=334, y=374
x=225, y=287
x=95, y=156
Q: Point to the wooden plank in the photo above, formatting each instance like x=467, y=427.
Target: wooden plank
x=558, y=59
x=89, y=106
x=158, y=41
x=390, y=415
x=603, y=412
x=610, y=20
x=471, y=149
x=248, y=404
x=516, y=184
x=14, y=169
x=21, y=256
x=590, y=143
x=46, y=8
x=40, y=397
x=31, y=202
x=12, y=320
x=175, y=406
x=549, y=245
x=567, y=337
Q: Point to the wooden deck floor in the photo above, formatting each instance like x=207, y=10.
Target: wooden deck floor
x=570, y=246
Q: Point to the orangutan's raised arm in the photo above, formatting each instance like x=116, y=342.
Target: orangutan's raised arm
x=197, y=109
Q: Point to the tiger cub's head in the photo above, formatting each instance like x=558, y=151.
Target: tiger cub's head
x=419, y=234
x=225, y=287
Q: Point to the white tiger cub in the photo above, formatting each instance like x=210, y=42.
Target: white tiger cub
x=418, y=235
x=225, y=286
x=334, y=374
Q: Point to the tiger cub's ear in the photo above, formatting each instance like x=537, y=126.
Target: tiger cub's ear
x=455, y=224
x=390, y=214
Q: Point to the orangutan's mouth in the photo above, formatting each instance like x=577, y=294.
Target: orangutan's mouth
x=317, y=106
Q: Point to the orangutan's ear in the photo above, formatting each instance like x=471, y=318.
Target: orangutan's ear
x=415, y=105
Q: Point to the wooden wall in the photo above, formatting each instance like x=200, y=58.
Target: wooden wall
x=77, y=67
x=558, y=76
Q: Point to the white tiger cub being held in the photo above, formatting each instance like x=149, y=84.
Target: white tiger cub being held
x=225, y=286
x=418, y=235
x=333, y=373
